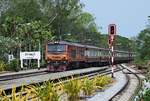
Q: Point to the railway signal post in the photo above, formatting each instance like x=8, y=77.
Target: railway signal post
x=111, y=37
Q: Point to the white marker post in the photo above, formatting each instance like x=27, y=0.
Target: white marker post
x=112, y=33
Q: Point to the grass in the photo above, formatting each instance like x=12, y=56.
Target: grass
x=48, y=91
x=102, y=81
x=72, y=88
x=2, y=65
x=14, y=96
x=146, y=96
x=88, y=86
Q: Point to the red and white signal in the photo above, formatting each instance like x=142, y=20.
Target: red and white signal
x=112, y=33
x=111, y=37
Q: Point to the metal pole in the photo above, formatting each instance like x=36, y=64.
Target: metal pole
x=112, y=61
x=42, y=56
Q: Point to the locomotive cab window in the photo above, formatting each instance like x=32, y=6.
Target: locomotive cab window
x=56, y=48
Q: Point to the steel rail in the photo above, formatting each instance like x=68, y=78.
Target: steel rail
x=138, y=87
x=23, y=75
x=126, y=84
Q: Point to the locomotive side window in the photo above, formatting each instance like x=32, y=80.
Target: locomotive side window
x=56, y=48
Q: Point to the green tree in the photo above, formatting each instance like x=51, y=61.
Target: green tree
x=27, y=9
x=85, y=29
x=143, y=47
x=143, y=44
x=7, y=45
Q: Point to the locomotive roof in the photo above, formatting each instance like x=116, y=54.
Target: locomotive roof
x=80, y=45
x=76, y=44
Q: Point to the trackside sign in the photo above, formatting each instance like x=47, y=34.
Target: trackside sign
x=30, y=55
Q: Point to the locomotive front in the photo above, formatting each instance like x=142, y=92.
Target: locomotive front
x=56, y=56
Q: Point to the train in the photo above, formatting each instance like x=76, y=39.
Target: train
x=63, y=55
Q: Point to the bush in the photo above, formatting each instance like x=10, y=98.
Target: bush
x=72, y=88
x=147, y=95
x=46, y=92
x=13, y=65
x=88, y=86
x=2, y=65
x=102, y=81
x=140, y=63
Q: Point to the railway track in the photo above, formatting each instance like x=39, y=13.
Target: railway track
x=80, y=76
x=123, y=94
x=28, y=74
x=19, y=75
x=7, y=81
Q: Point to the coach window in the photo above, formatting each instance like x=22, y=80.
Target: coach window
x=94, y=53
x=105, y=54
x=87, y=53
x=91, y=53
x=100, y=53
x=82, y=53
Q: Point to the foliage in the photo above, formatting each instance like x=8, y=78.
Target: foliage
x=88, y=86
x=102, y=81
x=56, y=14
x=27, y=9
x=73, y=88
x=20, y=97
x=2, y=65
x=147, y=95
x=13, y=65
x=46, y=92
x=87, y=30
x=120, y=43
x=148, y=74
x=143, y=44
x=143, y=48
x=6, y=46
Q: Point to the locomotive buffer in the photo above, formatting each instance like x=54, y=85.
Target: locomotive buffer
x=111, y=37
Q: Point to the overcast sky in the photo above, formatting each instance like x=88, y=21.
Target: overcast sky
x=130, y=16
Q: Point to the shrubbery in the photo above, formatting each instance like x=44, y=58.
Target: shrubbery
x=146, y=96
x=2, y=65
x=49, y=92
x=13, y=65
